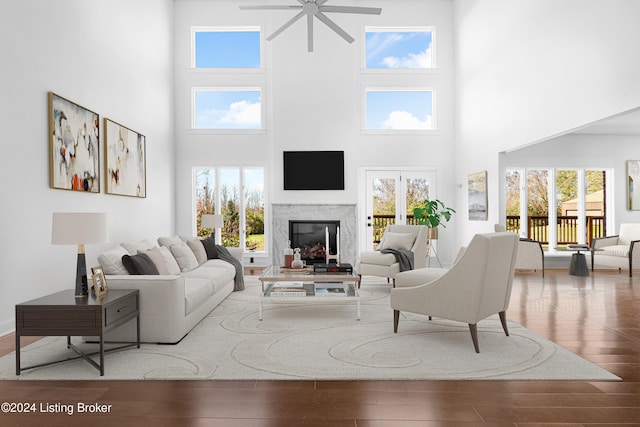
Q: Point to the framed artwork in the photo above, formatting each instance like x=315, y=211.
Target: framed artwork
x=99, y=281
x=633, y=179
x=74, y=133
x=125, y=160
x=478, y=201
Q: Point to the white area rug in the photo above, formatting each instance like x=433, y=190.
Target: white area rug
x=322, y=341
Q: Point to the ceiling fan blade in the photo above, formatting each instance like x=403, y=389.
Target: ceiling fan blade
x=351, y=9
x=270, y=7
x=309, y=32
x=342, y=33
x=286, y=25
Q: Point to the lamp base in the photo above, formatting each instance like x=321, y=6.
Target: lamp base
x=82, y=290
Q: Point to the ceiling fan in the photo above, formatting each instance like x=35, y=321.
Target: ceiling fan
x=317, y=8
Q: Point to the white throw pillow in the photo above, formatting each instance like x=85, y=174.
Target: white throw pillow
x=198, y=250
x=172, y=265
x=168, y=241
x=399, y=241
x=184, y=256
x=158, y=260
x=134, y=247
x=111, y=261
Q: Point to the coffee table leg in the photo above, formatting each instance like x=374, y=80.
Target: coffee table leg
x=260, y=309
x=358, y=309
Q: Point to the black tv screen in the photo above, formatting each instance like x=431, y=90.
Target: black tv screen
x=313, y=170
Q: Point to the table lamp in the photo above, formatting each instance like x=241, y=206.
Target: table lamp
x=212, y=221
x=79, y=228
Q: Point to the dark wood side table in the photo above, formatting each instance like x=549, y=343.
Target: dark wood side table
x=62, y=314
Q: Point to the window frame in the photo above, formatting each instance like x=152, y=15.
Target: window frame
x=398, y=29
x=363, y=125
x=228, y=29
x=195, y=130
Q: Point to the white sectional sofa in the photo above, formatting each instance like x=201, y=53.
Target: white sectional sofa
x=173, y=302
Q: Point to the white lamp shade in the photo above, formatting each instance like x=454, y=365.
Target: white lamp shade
x=79, y=228
x=211, y=221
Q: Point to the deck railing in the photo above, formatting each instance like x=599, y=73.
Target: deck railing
x=537, y=227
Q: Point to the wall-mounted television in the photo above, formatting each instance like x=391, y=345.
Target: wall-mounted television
x=313, y=170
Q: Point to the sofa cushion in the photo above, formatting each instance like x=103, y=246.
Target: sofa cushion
x=168, y=241
x=184, y=256
x=158, y=259
x=139, y=264
x=400, y=241
x=198, y=250
x=196, y=291
x=210, y=248
x=172, y=265
x=111, y=261
x=134, y=247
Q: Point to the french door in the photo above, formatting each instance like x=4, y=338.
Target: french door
x=390, y=197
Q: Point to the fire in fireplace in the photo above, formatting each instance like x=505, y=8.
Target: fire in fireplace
x=310, y=237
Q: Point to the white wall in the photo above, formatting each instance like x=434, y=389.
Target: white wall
x=113, y=57
x=529, y=70
x=313, y=100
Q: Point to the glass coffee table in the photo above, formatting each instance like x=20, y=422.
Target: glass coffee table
x=306, y=286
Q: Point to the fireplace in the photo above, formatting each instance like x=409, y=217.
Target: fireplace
x=311, y=236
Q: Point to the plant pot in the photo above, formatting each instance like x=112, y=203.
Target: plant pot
x=433, y=233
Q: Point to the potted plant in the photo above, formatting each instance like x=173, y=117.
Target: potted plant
x=432, y=213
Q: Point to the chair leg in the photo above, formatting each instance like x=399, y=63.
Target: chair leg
x=359, y=280
x=473, y=328
x=396, y=318
x=503, y=320
x=394, y=282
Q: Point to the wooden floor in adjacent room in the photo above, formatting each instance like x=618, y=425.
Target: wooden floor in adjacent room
x=596, y=317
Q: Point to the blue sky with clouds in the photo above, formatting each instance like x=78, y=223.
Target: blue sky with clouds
x=241, y=109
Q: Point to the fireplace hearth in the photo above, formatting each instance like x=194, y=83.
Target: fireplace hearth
x=311, y=237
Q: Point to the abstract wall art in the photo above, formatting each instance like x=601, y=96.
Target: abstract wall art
x=125, y=164
x=477, y=185
x=74, y=146
x=633, y=185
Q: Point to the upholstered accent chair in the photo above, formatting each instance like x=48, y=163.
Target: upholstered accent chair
x=476, y=287
x=621, y=250
x=530, y=253
x=401, y=237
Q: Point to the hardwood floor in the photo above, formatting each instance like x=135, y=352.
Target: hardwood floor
x=596, y=317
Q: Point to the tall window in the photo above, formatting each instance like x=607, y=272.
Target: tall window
x=557, y=206
x=238, y=194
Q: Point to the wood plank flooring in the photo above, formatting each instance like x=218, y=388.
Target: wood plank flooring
x=596, y=317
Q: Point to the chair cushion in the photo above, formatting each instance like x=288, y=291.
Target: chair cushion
x=377, y=257
x=418, y=277
x=400, y=241
x=615, y=250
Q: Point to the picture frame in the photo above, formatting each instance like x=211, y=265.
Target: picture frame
x=478, y=200
x=125, y=160
x=633, y=185
x=74, y=141
x=99, y=281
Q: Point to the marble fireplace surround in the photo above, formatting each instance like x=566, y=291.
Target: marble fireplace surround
x=346, y=214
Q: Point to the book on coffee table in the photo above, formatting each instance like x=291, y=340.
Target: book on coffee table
x=288, y=292
x=320, y=291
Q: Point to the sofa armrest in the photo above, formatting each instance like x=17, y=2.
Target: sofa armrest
x=604, y=241
x=158, y=293
x=236, y=253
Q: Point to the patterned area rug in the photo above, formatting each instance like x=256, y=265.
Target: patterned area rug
x=323, y=341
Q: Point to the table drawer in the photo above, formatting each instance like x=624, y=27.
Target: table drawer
x=120, y=309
